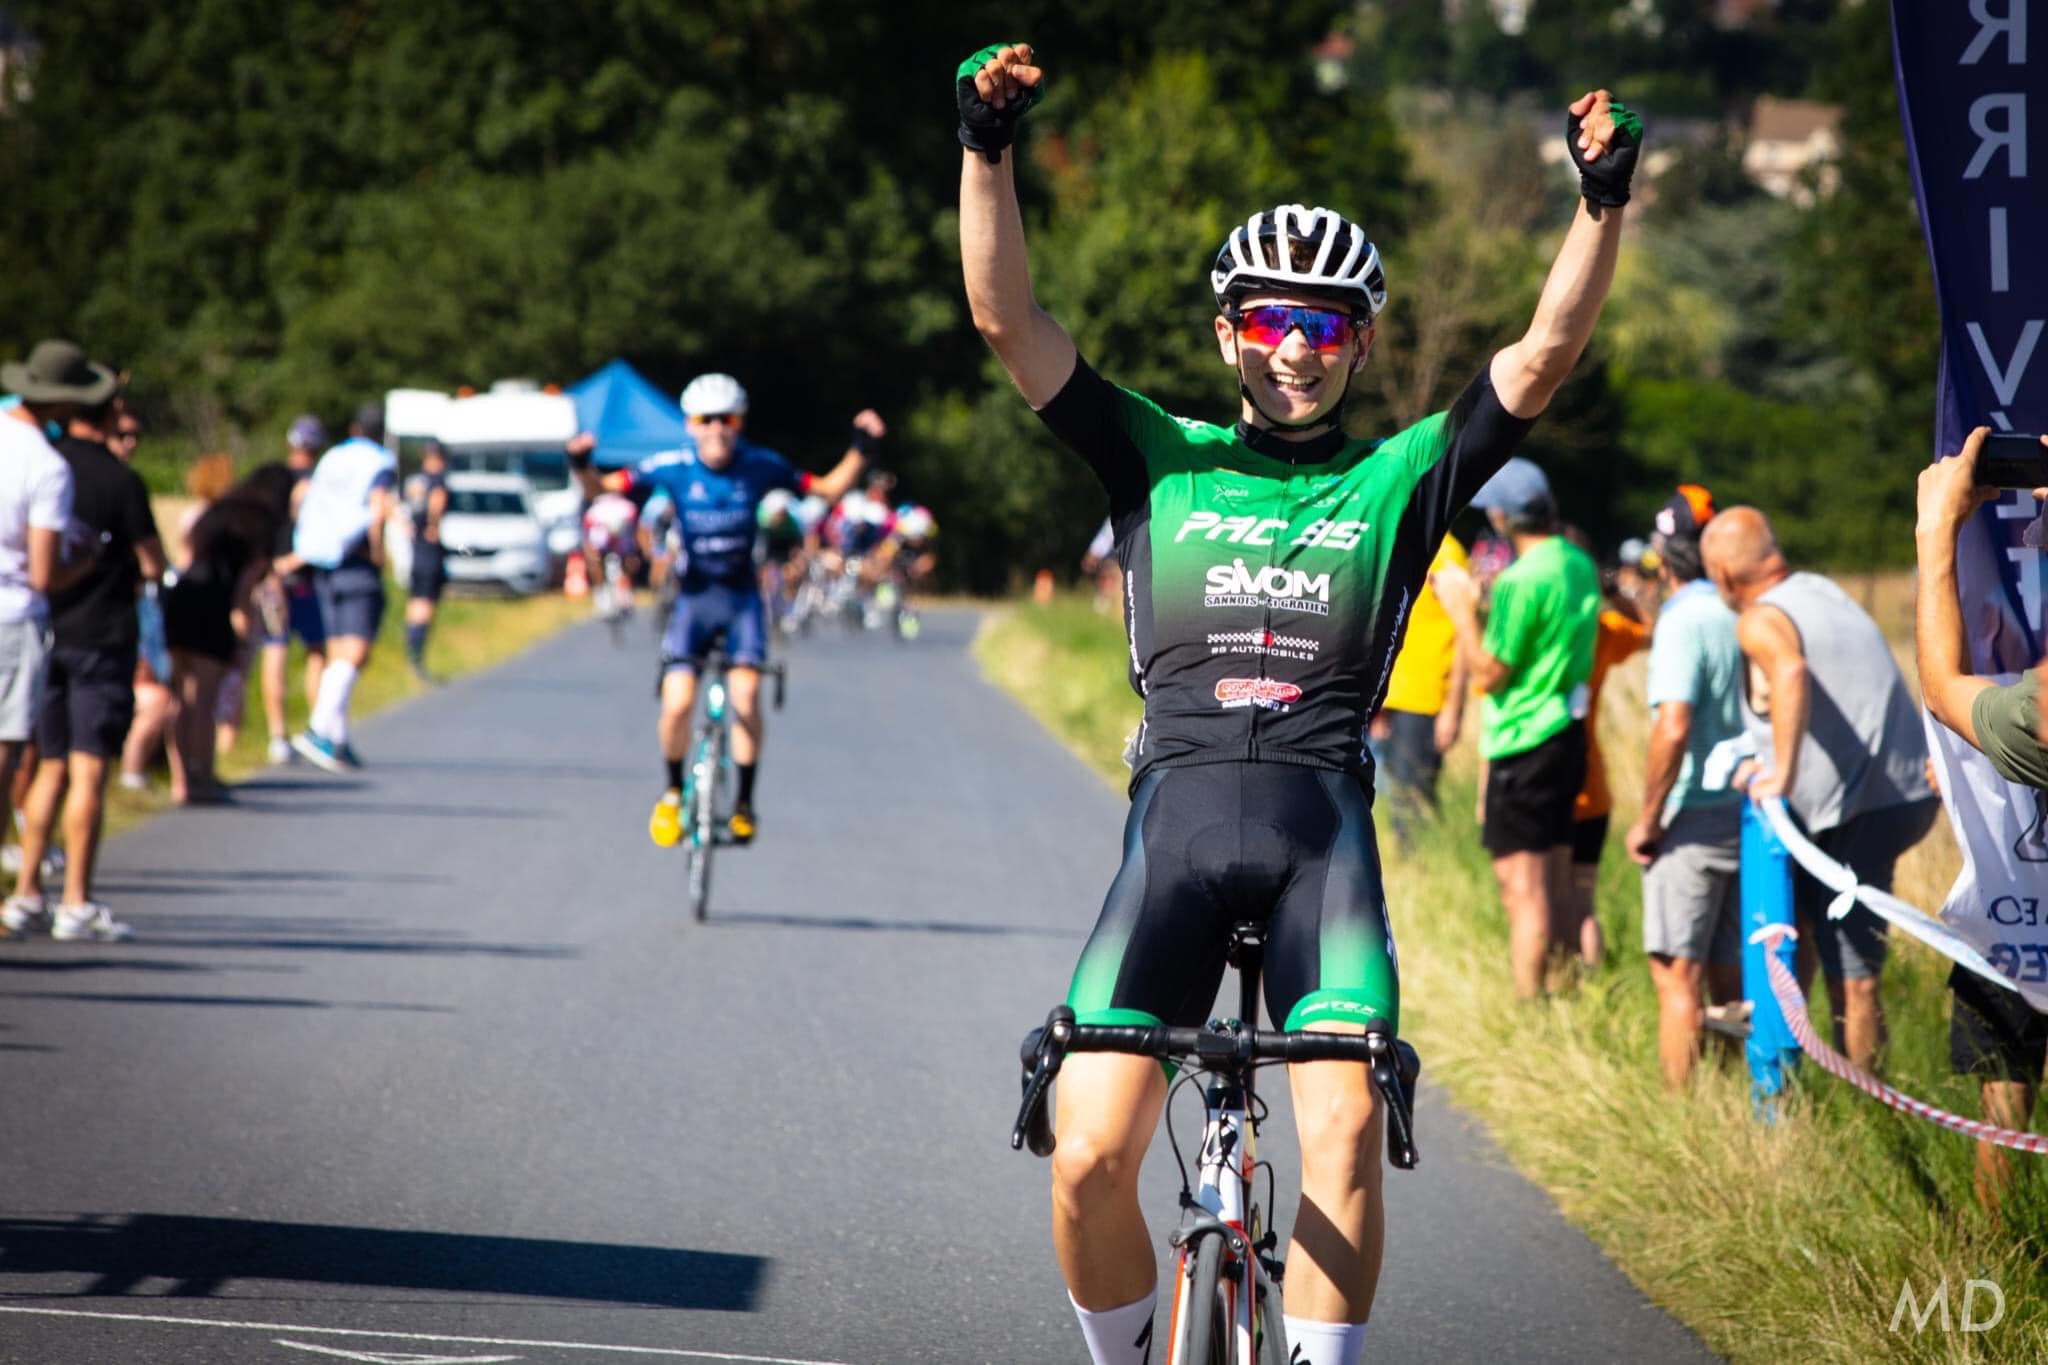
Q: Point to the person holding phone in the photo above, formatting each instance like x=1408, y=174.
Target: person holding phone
x=1994, y=1035
x=2003, y=723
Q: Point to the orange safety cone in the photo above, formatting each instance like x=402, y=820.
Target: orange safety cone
x=575, y=578
x=1041, y=591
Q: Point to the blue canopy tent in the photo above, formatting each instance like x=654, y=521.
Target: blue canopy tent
x=629, y=416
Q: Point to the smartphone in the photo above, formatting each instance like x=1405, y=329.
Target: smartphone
x=2011, y=460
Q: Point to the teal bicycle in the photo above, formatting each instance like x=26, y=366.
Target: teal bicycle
x=709, y=781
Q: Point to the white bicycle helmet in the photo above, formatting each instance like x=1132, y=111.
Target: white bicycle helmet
x=713, y=395
x=776, y=504
x=1266, y=255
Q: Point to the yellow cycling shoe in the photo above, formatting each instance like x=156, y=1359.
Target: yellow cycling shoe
x=741, y=826
x=665, y=826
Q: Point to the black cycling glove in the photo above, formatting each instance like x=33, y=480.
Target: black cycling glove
x=983, y=127
x=1604, y=180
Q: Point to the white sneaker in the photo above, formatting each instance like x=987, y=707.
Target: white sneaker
x=135, y=782
x=88, y=921
x=22, y=914
x=280, y=750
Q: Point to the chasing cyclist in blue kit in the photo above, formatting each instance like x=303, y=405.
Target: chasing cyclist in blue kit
x=717, y=480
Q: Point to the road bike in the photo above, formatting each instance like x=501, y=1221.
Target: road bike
x=613, y=602
x=1226, y=1299
x=709, y=780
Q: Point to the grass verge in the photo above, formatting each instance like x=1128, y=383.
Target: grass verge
x=1789, y=1240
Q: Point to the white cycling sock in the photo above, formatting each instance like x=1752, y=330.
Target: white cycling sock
x=1119, y=1336
x=1324, y=1343
x=330, y=707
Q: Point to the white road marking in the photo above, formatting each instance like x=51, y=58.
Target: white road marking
x=394, y=1357
x=666, y=1352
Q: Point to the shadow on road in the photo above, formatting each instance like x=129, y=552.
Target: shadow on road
x=264, y=1002
x=278, y=875
x=407, y=809
x=201, y=1256
x=514, y=768
x=746, y=918
x=331, y=934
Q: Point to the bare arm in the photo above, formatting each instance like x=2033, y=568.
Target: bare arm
x=1527, y=373
x=380, y=509
x=1450, y=721
x=1946, y=685
x=42, y=558
x=1771, y=641
x=839, y=482
x=1460, y=598
x=149, y=556
x=1669, y=731
x=1947, y=496
x=591, y=480
x=1036, y=351
x=437, y=507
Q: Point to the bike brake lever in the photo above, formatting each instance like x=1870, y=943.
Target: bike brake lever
x=1043, y=1052
x=1386, y=1079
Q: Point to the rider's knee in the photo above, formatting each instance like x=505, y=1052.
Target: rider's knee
x=1089, y=1167
x=1340, y=1135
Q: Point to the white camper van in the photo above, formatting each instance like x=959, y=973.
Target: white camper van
x=515, y=428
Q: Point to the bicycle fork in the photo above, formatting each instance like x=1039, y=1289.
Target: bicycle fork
x=1221, y=1208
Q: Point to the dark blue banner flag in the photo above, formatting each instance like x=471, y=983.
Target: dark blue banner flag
x=1974, y=97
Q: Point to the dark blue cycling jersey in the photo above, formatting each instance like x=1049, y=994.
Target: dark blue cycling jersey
x=716, y=508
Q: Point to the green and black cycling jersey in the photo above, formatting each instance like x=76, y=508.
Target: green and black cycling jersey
x=1267, y=582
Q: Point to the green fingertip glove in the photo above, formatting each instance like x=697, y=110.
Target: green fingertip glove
x=1604, y=181
x=983, y=127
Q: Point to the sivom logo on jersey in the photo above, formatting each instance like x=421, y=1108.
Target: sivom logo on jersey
x=1271, y=694
x=1238, y=584
x=1263, y=642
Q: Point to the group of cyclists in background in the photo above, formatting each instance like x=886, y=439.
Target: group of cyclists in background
x=861, y=562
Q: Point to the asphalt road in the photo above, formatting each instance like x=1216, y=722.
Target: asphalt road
x=429, y=1065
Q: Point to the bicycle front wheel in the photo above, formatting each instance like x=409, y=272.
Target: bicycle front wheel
x=1207, y=1338
x=703, y=817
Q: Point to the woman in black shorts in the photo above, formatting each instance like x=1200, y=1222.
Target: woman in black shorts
x=228, y=552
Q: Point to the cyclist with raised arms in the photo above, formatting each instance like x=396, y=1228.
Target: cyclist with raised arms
x=1273, y=564
x=717, y=481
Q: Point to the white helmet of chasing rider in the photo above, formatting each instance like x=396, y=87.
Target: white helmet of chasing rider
x=714, y=395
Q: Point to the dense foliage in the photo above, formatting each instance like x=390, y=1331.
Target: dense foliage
x=293, y=205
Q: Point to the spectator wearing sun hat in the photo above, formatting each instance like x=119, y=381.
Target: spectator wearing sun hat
x=55, y=383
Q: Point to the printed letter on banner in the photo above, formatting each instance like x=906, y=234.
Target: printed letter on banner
x=1974, y=94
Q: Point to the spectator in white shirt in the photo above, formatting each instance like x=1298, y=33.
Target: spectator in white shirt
x=54, y=383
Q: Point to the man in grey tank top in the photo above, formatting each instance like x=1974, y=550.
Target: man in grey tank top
x=1838, y=736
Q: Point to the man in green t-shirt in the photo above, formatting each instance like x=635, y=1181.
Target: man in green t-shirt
x=1532, y=661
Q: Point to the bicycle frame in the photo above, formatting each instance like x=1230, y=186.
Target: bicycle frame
x=1223, y=1205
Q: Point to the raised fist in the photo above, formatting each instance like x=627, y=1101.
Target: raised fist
x=995, y=86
